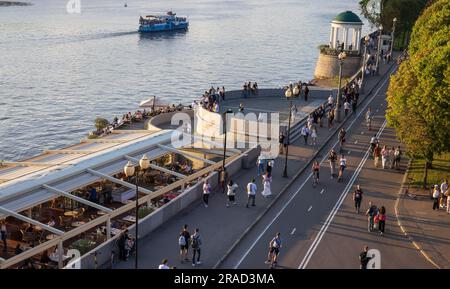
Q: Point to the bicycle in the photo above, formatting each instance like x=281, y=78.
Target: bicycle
x=315, y=178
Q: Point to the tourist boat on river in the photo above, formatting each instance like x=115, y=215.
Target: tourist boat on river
x=159, y=23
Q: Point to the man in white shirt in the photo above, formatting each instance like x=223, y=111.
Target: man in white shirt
x=163, y=265
x=330, y=100
x=251, y=192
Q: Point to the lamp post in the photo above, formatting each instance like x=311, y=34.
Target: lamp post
x=130, y=171
x=366, y=42
x=393, y=34
x=223, y=172
x=289, y=93
x=379, y=48
x=337, y=111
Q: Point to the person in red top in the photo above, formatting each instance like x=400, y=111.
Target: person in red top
x=380, y=219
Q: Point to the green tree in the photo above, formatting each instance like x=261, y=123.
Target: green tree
x=101, y=123
x=418, y=95
x=406, y=12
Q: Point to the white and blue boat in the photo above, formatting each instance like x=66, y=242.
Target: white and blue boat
x=159, y=23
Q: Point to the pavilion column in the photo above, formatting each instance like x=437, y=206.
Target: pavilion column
x=345, y=38
x=336, y=38
x=331, y=36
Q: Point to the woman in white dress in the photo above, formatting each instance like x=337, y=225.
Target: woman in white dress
x=267, y=180
x=313, y=135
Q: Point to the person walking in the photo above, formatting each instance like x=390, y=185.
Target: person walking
x=196, y=244
x=346, y=108
x=183, y=242
x=332, y=158
x=381, y=219
x=231, y=193
x=384, y=156
x=397, y=157
x=447, y=195
x=341, y=137
x=260, y=164
x=313, y=135
x=266, y=180
x=269, y=167
x=251, y=193
x=330, y=118
x=206, y=192
x=306, y=92
x=121, y=244
x=305, y=133
x=342, y=166
x=364, y=258
x=444, y=194
x=371, y=212
x=357, y=198
x=436, y=195
x=376, y=154
x=369, y=116
x=281, y=142
x=391, y=157
x=315, y=171
x=3, y=234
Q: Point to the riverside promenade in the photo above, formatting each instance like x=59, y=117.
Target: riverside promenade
x=222, y=228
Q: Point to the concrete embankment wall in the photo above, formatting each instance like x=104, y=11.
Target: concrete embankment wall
x=328, y=66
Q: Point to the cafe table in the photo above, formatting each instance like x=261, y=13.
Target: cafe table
x=78, y=224
x=130, y=218
x=71, y=214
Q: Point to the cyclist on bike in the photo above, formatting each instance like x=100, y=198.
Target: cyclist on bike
x=369, y=116
x=315, y=171
x=274, y=250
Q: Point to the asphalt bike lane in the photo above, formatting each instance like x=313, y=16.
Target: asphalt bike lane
x=299, y=215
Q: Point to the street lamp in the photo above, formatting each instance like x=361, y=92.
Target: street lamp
x=288, y=93
x=223, y=176
x=393, y=34
x=379, y=48
x=130, y=171
x=341, y=58
x=366, y=43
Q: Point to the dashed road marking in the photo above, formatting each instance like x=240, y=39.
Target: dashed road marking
x=321, y=192
x=310, y=208
x=293, y=231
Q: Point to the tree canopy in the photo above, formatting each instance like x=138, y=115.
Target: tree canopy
x=419, y=94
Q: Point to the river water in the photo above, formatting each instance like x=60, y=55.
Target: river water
x=59, y=71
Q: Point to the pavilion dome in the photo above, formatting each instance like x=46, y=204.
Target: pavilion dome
x=347, y=17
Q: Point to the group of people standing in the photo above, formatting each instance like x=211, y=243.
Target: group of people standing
x=441, y=196
x=249, y=89
x=390, y=157
x=211, y=98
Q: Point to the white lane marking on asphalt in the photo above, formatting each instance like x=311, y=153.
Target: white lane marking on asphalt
x=356, y=141
x=336, y=207
x=362, y=132
x=310, y=208
x=377, y=109
x=349, y=152
x=302, y=185
x=323, y=190
x=293, y=231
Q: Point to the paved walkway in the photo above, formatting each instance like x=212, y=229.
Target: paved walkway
x=220, y=226
x=429, y=229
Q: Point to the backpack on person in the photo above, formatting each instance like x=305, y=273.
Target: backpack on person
x=195, y=243
x=182, y=240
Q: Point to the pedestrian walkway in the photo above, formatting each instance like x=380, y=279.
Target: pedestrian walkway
x=220, y=226
x=429, y=229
